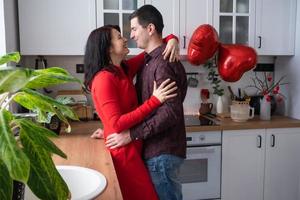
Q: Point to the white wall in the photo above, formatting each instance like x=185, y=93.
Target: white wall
x=290, y=66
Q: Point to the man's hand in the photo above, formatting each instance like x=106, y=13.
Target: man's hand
x=116, y=140
x=98, y=134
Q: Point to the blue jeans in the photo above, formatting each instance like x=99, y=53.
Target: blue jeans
x=164, y=170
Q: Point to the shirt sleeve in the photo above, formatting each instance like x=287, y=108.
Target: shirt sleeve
x=167, y=115
x=105, y=91
x=137, y=61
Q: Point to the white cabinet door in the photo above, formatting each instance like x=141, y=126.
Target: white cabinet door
x=117, y=12
x=282, y=165
x=170, y=12
x=193, y=13
x=243, y=164
x=235, y=21
x=275, y=27
x=183, y=17
x=55, y=27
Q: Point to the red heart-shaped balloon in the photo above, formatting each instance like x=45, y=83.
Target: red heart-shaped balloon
x=203, y=44
x=234, y=60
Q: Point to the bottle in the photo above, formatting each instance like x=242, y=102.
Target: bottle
x=220, y=105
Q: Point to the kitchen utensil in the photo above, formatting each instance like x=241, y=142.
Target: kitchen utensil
x=192, y=80
x=241, y=112
x=232, y=96
x=205, y=108
x=44, y=65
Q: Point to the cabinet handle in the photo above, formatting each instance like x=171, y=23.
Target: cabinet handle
x=272, y=140
x=258, y=142
x=259, y=46
x=184, y=41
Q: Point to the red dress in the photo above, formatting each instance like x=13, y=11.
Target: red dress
x=116, y=103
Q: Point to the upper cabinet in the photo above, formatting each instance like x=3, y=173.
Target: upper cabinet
x=182, y=17
x=266, y=25
x=55, y=27
x=235, y=21
x=117, y=12
x=275, y=27
x=61, y=27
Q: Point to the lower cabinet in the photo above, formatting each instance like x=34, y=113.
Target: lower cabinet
x=261, y=164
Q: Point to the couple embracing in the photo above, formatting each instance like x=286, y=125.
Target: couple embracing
x=143, y=124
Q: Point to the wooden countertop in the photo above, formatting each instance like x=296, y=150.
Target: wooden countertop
x=91, y=153
x=86, y=152
x=255, y=123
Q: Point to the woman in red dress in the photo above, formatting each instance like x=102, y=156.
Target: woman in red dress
x=110, y=79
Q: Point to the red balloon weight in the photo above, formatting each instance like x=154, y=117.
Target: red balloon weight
x=234, y=60
x=203, y=44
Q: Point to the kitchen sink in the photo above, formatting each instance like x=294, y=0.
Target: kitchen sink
x=84, y=183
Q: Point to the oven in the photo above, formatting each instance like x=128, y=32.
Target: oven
x=200, y=174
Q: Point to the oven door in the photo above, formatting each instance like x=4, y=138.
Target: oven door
x=200, y=173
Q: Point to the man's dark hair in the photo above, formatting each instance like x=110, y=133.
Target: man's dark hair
x=148, y=14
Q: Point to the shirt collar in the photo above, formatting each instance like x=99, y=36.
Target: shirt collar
x=155, y=53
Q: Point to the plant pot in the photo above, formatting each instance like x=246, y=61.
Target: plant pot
x=255, y=103
x=18, y=190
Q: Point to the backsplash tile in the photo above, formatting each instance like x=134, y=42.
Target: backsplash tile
x=192, y=101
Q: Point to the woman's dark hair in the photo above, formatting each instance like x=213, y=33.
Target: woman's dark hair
x=97, y=57
x=149, y=14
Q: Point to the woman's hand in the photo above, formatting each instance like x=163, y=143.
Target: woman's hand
x=172, y=50
x=165, y=90
x=98, y=134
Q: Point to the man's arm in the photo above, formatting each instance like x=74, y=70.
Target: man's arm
x=166, y=115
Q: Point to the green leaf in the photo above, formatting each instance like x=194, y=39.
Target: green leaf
x=12, y=79
x=15, y=160
x=10, y=57
x=50, y=185
x=33, y=100
x=6, y=186
x=52, y=70
x=65, y=100
x=49, y=77
x=43, y=117
x=39, y=135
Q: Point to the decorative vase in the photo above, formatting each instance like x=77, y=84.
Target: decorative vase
x=255, y=103
x=265, y=108
x=220, y=105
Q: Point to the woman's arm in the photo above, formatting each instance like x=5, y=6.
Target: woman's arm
x=106, y=96
x=137, y=61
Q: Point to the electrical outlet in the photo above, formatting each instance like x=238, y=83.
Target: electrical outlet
x=79, y=68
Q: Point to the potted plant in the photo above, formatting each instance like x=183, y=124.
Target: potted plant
x=213, y=77
x=25, y=145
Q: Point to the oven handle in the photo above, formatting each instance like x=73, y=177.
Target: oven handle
x=200, y=150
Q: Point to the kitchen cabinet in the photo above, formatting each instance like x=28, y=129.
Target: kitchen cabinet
x=261, y=164
x=182, y=17
x=275, y=27
x=235, y=21
x=55, y=27
x=61, y=27
x=117, y=12
x=266, y=25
